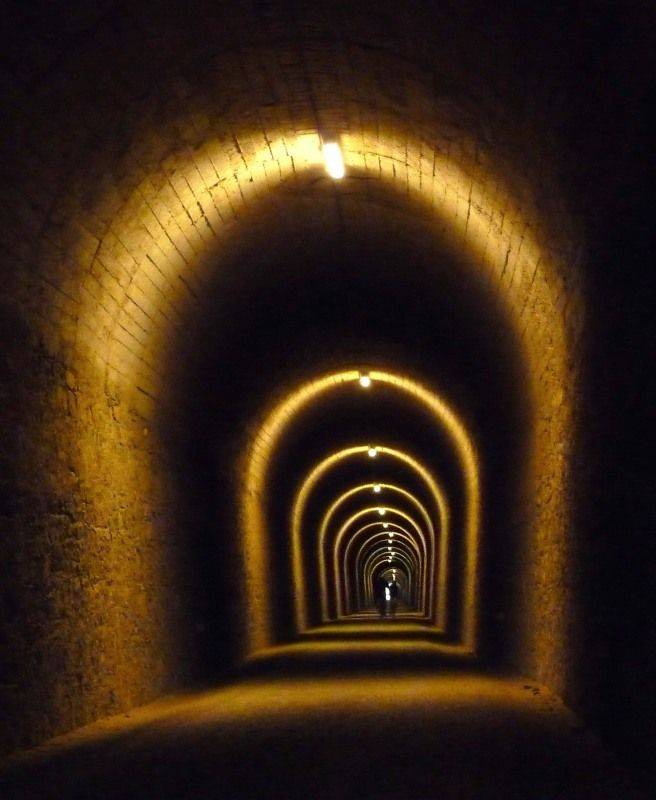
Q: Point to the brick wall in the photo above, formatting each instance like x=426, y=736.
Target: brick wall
x=135, y=149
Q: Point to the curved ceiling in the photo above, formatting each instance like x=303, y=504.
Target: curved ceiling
x=206, y=298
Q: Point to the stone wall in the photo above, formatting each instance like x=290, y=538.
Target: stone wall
x=137, y=140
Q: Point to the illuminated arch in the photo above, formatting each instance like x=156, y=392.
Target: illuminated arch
x=377, y=525
x=398, y=529
x=450, y=193
x=500, y=233
x=401, y=533
x=376, y=560
x=259, y=459
x=373, y=560
x=504, y=234
x=340, y=536
x=430, y=552
x=304, y=493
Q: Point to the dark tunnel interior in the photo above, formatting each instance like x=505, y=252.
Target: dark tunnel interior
x=326, y=385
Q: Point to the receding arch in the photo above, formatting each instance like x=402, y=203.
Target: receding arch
x=408, y=540
x=367, y=569
x=361, y=451
x=339, y=537
x=263, y=450
x=142, y=226
x=500, y=237
x=377, y=560
x=430, y=551
x=378, y=529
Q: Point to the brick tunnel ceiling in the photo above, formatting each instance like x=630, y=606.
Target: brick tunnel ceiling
x=190, y=267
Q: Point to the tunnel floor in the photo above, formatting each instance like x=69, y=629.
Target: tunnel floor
x=357, y=727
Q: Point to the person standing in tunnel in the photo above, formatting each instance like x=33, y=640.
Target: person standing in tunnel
x=393, y=597
x=382, y=596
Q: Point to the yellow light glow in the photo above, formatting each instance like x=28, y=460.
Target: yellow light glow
x=325, y=525
x=389, y=548
x=381, y=511
x=386, y=525
x=342, y=590
x=330, y=462
x=447, y=188
x=332, y=154
x=365, y=381
x=372, y=452
x=377, y=488
x=418, y=544
x=259, y=459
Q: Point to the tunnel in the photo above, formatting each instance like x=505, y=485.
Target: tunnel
x=325, y=345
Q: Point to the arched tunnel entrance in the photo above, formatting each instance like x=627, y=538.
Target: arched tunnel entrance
x=302, y=376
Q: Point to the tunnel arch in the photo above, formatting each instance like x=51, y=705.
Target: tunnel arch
x=430, y=559
x=145, y=404
x=376, y=564
x=263, y=448
x=340, y=536
x=308, y=147
x=350, y=544
x=111, y=257
x=114, y=298
x=334, y=507
x=364, y=572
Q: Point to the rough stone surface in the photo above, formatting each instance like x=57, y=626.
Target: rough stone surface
x=137, y=140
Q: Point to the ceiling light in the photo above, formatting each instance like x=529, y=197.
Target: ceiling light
x=365, y=381
x=382, y=512
x=372, y=452
x=377, y=488
x=332, y=154
x=386, y=525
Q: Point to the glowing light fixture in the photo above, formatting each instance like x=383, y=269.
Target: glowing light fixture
x=332, y=154
x=391, y=532
x=372, y=452
x=365, y=381
x=382, y=512
x=377, y=488
x=389, y=548
x=386, y=525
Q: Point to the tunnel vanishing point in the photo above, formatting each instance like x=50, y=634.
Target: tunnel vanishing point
x=305, y=306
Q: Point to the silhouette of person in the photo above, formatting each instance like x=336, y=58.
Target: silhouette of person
x=381, y=598
x=394, y=597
